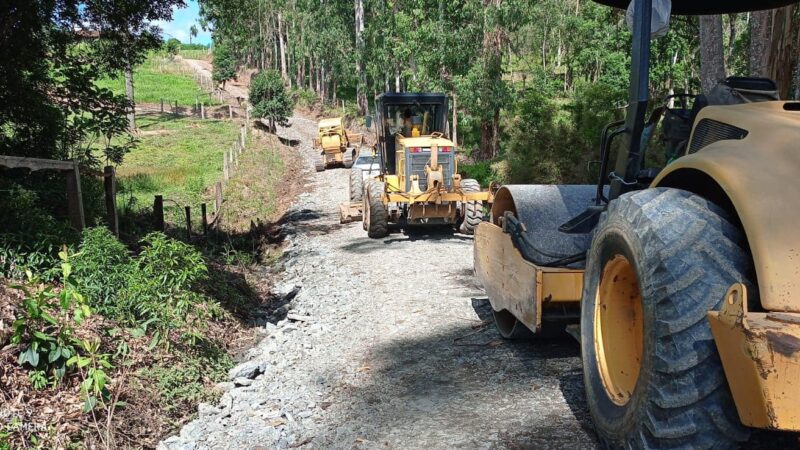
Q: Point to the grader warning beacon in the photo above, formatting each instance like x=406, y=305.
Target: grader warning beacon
x=685, y=279
x=419, y=183
x=337, y=147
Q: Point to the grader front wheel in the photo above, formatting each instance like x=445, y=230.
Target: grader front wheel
x=319, y=165
x=660, y=259
x=376, y=217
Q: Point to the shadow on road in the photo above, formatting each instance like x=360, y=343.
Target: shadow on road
x=402, y=236
x=463, y=386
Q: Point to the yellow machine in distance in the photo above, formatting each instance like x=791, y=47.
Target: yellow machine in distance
x=337, y=147
x=419, y=182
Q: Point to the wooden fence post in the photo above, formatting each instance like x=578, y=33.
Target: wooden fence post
x=205, y=218
x=203, y=110
x=158, y=213
x=110, y=184
x=75, y=197
x=188, y=223
x=176, y=107
x=225, y=168
x=162, y=106
x=197, y=105
x=242, y=135
x=230, y=112
x=217, y=198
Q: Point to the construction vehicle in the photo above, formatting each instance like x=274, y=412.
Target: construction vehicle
x=337, y=147
x=685, y=280
x=419, y=183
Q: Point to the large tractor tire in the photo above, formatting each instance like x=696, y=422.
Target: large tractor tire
x=660, y=259
x=356, y=185
x=473, y=211
x=376, y=217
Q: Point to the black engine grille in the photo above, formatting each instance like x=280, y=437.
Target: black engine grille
x=417, y=167
x=709, y=131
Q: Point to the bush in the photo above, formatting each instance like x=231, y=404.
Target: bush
x=102, y=268
x=156, y=291
x=172, y=47
x=304, y=97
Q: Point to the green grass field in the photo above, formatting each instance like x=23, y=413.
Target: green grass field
x=181, y=159
x=177, y=158
x=161, y=78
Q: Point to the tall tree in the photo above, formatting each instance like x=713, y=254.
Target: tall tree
x=759, y=43
x=361, y=87
x=712, y=56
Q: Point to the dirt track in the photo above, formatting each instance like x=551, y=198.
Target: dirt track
x=394, y=348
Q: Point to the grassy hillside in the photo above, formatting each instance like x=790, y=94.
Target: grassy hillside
x=161, y=78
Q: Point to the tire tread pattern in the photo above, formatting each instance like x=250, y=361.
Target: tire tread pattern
x=693, y=253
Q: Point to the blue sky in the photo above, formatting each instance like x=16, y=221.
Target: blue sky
x=182, y=20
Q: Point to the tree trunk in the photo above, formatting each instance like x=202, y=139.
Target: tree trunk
x=397, y=77
x=493, y=38
x=361, y=86
x=129, y=95
x=712, y=61
x=759, y=44
x=782, y=55
x=282, y=45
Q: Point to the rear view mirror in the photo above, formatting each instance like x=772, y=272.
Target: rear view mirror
x=368, y=122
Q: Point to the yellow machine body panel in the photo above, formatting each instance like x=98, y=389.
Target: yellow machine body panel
x=516, y=285
x=760, y=353
x=760, y=176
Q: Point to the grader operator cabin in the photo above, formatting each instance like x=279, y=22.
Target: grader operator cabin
x=685, y=279
x=419, y=182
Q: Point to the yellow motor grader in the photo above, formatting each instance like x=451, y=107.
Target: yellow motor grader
x=685, y=280
x=337, y=147
x=419, y=183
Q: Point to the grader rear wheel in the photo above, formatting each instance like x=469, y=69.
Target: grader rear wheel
x=348, y=158
x=473, y=211
x=660, y=259
x=319, y=165
x=356, y=185
x=376, y=217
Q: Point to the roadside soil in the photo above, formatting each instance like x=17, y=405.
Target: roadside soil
x=385, y=343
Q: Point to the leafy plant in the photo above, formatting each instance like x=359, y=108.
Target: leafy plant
x=93, y=368
x=45, y=327
x=102, y=268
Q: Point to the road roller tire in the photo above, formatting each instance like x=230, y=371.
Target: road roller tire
x=473, y=211
x=660, y=259
x=356, y=185
x=509, y=327
x=376, y=217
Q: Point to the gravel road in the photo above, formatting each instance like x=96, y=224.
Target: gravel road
x=388, y=344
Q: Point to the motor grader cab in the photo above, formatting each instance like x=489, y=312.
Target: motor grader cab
x=337, y=147
x=685, y=280
x=419, y=183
